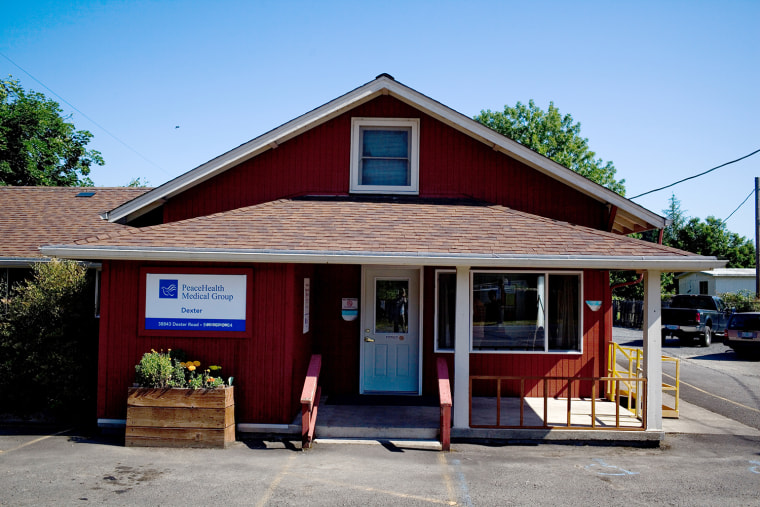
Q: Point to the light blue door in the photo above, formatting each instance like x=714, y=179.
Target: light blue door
x=391, y=331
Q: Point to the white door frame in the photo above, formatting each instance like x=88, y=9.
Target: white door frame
x=391, y=270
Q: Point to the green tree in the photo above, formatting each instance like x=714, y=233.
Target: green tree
x=677, y=218
x=139, y=182
x=38, y=146
x=554, y=136
x=712, y=237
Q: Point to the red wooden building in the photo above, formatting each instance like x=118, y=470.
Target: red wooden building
x=381, y=230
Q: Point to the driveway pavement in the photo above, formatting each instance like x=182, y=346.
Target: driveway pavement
x=77, y=469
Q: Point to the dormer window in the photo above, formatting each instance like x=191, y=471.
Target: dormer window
x=385, y=155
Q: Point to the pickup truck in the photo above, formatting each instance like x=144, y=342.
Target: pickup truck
x=692, y=316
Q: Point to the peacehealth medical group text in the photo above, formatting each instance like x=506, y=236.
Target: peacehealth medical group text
x=205, y=292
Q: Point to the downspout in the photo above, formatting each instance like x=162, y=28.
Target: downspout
x=626, y=284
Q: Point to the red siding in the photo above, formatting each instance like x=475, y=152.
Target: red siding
x=268, y=368
x=451, y=165
x=336, y=339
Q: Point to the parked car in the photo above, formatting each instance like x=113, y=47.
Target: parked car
x=743, y=333
x=695, y=316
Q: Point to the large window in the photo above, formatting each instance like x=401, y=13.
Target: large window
x=384, y=155
x=526, y=312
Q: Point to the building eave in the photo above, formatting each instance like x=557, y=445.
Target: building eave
x=659, y=263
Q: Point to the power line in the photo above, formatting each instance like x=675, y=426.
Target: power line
x=742, y=204
x=695, y=176
x=101, y=127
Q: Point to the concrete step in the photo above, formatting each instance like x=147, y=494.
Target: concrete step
x=374, y=432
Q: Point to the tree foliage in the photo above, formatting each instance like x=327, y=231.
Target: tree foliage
x=48, y=342
x=712, y=237
x=554, y=136
x=38, y=146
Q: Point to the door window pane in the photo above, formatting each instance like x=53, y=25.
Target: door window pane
x=391, y=306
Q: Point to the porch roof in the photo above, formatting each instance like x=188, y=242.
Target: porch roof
x=36, y=216
x=400, y=231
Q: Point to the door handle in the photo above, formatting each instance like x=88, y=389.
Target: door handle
x=368, y=339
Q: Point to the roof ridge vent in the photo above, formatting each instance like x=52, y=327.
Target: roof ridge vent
x=385, y=74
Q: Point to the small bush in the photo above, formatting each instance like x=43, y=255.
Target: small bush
x=742, y=301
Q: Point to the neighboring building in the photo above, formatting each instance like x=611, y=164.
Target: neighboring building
x=450, y=239
x=717, y=281
x=35, y=216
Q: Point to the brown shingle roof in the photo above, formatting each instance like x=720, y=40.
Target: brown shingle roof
x=34, y=216
x=381, y=226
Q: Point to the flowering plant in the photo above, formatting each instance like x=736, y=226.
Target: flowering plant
x=164, y=370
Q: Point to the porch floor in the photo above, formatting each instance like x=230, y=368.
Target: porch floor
x=422, y=422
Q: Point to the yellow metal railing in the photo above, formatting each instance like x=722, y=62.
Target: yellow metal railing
x=633, y=358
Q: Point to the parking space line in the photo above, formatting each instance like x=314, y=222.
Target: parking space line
x=275, y=482
x=36, y=440
x=447, y=479
x=713, y=395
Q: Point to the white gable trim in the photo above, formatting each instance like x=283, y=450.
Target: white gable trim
x=386, y=86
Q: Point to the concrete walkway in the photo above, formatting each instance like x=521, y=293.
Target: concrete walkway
x=697, y=420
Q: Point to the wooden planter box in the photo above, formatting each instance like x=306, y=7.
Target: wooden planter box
x=180, y=417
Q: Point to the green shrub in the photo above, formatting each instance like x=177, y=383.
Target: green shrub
x=48, y=343
x=742, y=301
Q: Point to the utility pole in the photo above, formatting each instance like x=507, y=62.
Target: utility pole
x=757, y=237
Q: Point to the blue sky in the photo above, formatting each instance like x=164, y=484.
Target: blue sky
x=663, y=89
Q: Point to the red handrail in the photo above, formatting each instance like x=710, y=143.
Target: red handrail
x=310, y=401
x=444, y=395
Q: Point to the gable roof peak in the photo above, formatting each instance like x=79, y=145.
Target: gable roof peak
x=628, y=216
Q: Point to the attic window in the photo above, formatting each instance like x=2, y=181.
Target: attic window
x=385, y=155
x=85, y=194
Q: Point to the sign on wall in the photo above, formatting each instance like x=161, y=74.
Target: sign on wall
x=306, y=299
x=195, y=302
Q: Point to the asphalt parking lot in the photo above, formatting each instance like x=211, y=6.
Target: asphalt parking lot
x=71, y=468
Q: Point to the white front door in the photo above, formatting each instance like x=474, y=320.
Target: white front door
x=390, y=340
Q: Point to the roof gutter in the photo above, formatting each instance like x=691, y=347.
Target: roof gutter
x=658, y=263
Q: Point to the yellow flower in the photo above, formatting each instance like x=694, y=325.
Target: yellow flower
x=191, y=367
x=197, y=363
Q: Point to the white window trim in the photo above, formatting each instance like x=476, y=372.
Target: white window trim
x=414, y=155
x=435, y=322
x=546, y=313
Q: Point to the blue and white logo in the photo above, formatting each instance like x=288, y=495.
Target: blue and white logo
x=167, y=289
